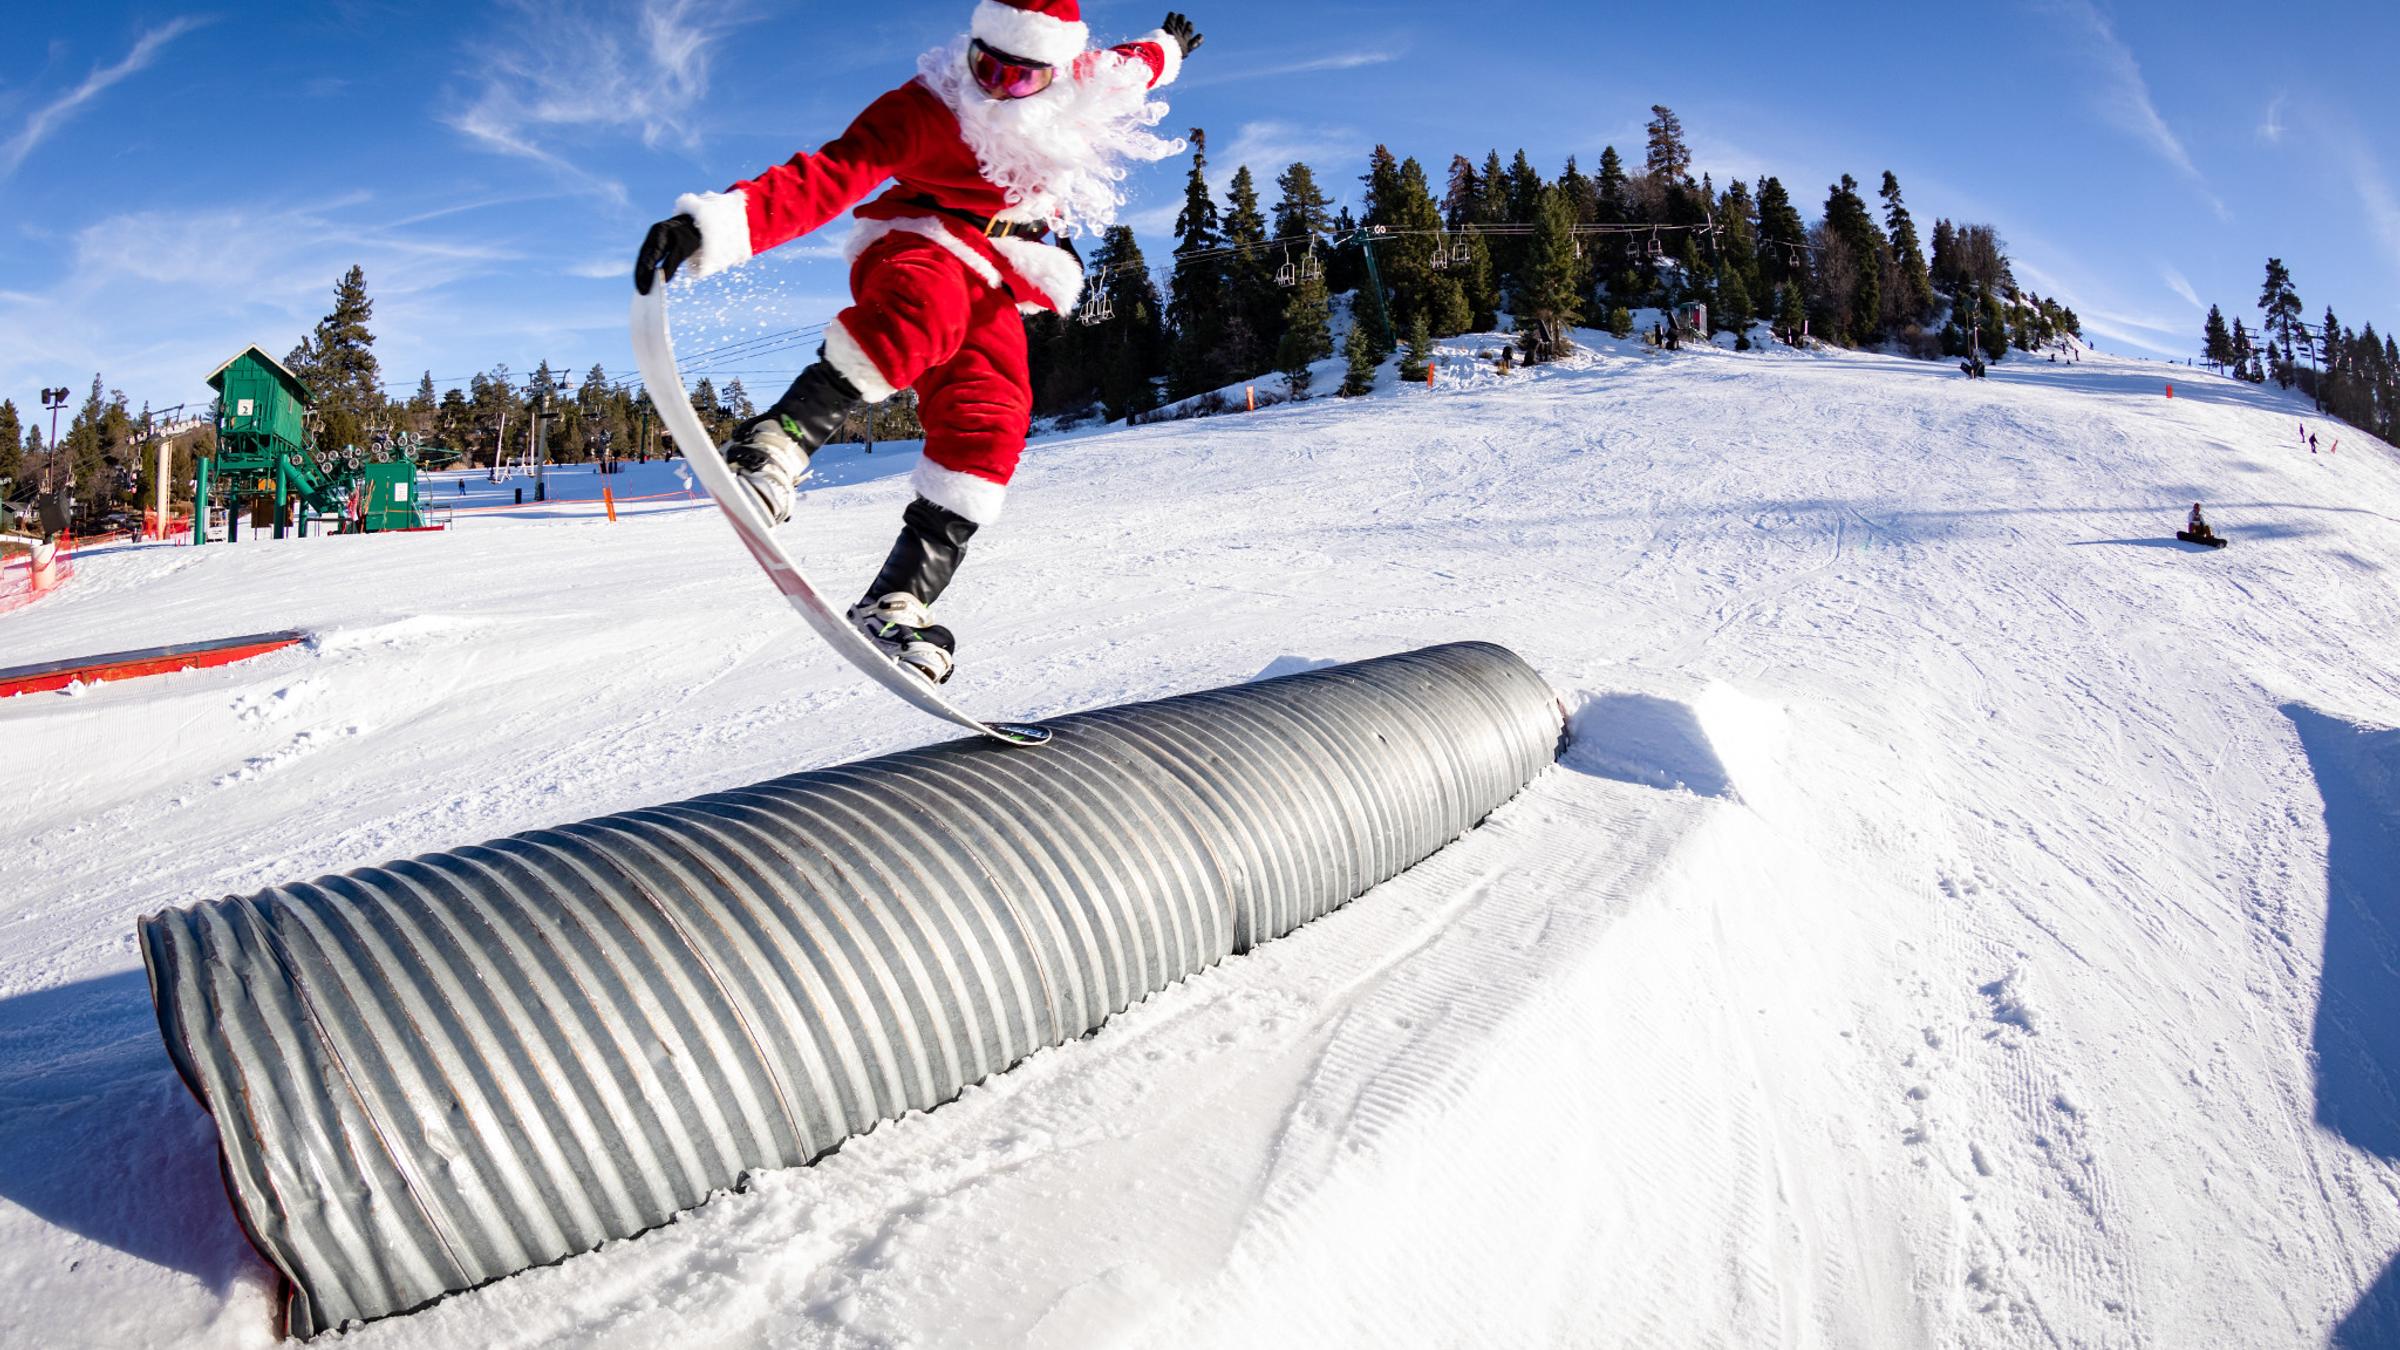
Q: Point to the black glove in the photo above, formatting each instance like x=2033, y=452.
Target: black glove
x=1180, y=29
x=671, y=244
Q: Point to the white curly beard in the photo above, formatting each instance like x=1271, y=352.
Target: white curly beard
x=1059, y=155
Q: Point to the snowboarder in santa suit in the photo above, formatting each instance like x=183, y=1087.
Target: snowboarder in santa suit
x=1011, y=133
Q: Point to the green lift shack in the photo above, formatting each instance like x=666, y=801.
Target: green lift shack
x=264, y=452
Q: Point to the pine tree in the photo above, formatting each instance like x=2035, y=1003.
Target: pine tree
x=1360, y=381
x=1465, y=192
x=12, y=447
x=1611, y=201
x=1130, y=348
x=738, y=406
x=421, y=406
x=1791, y=312
x=1403, y=201
x=1307, y=335
x=2216, y=343
x=1524, y=188
x=2281, y=305
x=1994, y=336
x=1419, y=357
x=1301, y=207
x=1620, y=323
x=1583, y=196
x=1913, y=302
x=1782, y=258
x=1551, y=302
x=1733, y=309
x=1255, y=303
x=1491, y=208
x=1670, y=159
x=337, y=363
x=1859, y=314
x=1196, y=306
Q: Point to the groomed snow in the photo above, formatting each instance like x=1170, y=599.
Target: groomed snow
x=1923, y=944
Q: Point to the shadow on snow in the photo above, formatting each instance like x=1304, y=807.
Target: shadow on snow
x=99, y=1136
x=2357, y=1039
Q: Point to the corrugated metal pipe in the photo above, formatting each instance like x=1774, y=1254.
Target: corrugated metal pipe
x=433, y=1074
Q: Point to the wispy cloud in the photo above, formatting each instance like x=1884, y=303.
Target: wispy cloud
x=555, y=72
x=2376, y=196
x=2124, y=95
x=2182, y=286
x=2270, y=128
x=2102, y=312
x=1350, y=60
x=55, y=114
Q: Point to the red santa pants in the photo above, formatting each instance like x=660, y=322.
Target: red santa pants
x=922, y=318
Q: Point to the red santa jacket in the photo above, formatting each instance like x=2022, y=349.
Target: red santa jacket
x=911, y=139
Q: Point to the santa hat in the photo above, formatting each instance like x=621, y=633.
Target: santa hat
x=1048, y=31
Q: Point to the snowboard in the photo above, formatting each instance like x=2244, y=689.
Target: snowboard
x=654, y=353
x=2213, y=541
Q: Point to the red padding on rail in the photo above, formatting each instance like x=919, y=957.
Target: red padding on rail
x=55, y=675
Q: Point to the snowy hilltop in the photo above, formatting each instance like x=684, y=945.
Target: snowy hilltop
x=1964, y=916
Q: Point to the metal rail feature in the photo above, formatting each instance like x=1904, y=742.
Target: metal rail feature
x=433, y=1074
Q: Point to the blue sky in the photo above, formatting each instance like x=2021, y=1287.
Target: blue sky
x=175, y=183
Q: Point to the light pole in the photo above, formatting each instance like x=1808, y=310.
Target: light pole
x=55, y=399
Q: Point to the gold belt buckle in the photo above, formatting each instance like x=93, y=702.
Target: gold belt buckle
x=995, y=228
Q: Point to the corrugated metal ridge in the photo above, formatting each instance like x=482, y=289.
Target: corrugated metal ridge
x=435, y=1073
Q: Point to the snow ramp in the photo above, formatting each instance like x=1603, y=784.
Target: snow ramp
x=433, y=1074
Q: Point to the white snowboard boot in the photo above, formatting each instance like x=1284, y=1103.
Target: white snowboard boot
x=770, y=452
x=903, y=626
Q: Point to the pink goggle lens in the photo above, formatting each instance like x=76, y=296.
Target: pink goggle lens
x=1004, y=76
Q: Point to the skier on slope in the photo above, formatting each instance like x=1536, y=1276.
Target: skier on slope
x=1009, y=133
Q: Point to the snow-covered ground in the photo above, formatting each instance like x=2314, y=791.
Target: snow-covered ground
x=1966, y=917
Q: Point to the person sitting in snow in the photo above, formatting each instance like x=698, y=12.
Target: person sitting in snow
x=2198, y=526
x=1010, y=133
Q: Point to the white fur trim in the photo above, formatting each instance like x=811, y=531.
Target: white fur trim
x=1036, y=37
x=978, y=499
x=843, y=353
x=1172, y=50
x=724, y=220
x=869, y=231
x=1052, y=270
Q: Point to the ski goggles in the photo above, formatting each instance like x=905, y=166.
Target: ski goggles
x=1003, y=76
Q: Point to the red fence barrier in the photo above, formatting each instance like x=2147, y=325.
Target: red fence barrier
x=54, y=675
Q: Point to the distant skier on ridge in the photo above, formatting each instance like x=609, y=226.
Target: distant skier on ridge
x=1007, y=134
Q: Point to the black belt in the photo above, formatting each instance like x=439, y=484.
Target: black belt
x=990, y=227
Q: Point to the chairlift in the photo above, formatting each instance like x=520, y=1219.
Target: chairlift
x=1459, y=257
x=1441, y=252
x=1287, y=275
x=1657, y=250
x=1312, y=268
x=1108, y=306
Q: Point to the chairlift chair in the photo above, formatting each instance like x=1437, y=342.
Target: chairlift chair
x=1459, y=257
x=1108, y=306
x=1312, y=268
x=1657, y=250
x=1441, y=252
x=1287, y=275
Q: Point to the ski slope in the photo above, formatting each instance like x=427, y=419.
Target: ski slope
x=1966, y=918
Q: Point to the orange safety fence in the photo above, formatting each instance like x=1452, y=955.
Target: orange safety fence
x=21, y=586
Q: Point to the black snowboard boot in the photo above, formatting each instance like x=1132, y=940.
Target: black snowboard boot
x=770, y=452
x=897, y=612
